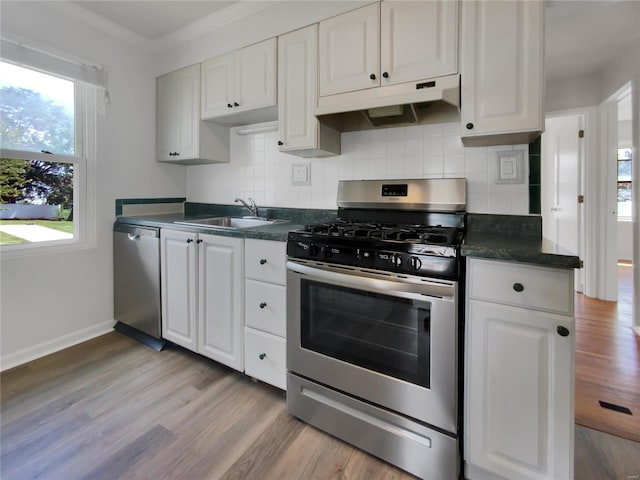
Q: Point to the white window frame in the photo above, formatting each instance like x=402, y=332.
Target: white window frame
x=84, y=181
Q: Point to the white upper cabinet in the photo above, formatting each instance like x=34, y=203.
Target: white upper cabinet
x=181, y=136
x=502, y=72
x=350, y=51
x=396, y=42
x=218, y=86
x=241, y=82
x=300, y=132
x=419, y=40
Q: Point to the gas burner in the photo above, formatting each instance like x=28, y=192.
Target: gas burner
x=404, y=232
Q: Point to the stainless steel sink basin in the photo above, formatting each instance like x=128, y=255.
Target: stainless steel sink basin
x=231, y=223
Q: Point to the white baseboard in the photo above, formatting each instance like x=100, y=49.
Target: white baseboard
x=51, y=346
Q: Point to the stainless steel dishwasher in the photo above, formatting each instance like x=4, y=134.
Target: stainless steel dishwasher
x=136, y=283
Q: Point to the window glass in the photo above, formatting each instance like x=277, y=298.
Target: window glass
x=37, y=111
x=624, y=182
x=37, y=117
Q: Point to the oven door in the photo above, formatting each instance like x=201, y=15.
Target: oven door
x=385, y=338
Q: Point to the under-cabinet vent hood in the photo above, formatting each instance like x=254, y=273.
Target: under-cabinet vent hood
x=435, y=100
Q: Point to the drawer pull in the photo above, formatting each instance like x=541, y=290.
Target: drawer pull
x=262, y=356
x=263, y=261
x=263, y=304
x=518, y=287
x=563, y=331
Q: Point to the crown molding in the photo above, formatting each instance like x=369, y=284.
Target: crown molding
x=210, y=23
x=213, y=22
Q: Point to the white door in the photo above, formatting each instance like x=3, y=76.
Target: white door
x=418, y=40
x=178, y=279
x=349, y=51
x=221, y=303
x=561, y=170
x=256, y=76
x=217, y=86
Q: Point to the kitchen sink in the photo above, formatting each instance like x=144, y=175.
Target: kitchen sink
x=231, y=223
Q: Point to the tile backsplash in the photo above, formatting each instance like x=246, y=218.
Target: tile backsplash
x=258, y=170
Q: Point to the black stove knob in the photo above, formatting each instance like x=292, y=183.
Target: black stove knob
x=415, y=263
x=396, y=260
x=314, y=250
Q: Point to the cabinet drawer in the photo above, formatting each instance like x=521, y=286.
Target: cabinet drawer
x=539, y=288
x=266, y=260
x=265, y=307
x=265, y=357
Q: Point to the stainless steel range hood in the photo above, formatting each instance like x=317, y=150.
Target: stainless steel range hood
x=434, y=100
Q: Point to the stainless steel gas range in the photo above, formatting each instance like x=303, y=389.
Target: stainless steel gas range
x=373, y=322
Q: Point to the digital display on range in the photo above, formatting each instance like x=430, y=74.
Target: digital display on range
x=394, y=190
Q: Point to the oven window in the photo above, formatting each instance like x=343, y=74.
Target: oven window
x=383, y=333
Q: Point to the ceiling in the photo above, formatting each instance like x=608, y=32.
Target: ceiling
x=154, y=20
x=580, y=36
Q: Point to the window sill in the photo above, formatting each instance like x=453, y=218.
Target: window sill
x=42, y=248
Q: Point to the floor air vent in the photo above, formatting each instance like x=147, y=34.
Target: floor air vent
x=613, y=406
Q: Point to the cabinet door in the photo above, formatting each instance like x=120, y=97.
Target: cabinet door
x=255, y=84
x=218, y=86
x=519, y=392
x=178, y=114
x=501, y=67
x=349, y=51
x=418, y=40
x=179, y=293
x=166, y=118
x=297, y=88
x=221, y=305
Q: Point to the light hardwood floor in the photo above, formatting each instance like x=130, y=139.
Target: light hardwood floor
x=608, y=361
x=113, y=409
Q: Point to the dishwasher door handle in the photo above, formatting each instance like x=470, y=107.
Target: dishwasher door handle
x=133, y=236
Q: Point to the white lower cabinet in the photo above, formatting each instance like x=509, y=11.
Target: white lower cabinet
x=202, y=294
x=265, y=311
x=519, y=372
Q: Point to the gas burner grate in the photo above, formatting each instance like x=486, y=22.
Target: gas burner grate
x=378, y=231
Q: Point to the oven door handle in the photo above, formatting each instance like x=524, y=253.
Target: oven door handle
x=371, y=282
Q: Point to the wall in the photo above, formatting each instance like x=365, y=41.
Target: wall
x=623, y=69
x=259, y=171
x=573, y=92
x=625, y=240
x=74, y=289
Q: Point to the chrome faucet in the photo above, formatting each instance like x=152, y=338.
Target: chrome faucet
x=253, y=208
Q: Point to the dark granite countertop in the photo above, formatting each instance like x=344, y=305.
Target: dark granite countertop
x=514, y=238
x=296, y=219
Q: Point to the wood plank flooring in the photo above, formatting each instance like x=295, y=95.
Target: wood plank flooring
x=113, y=409
x=608, y=361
